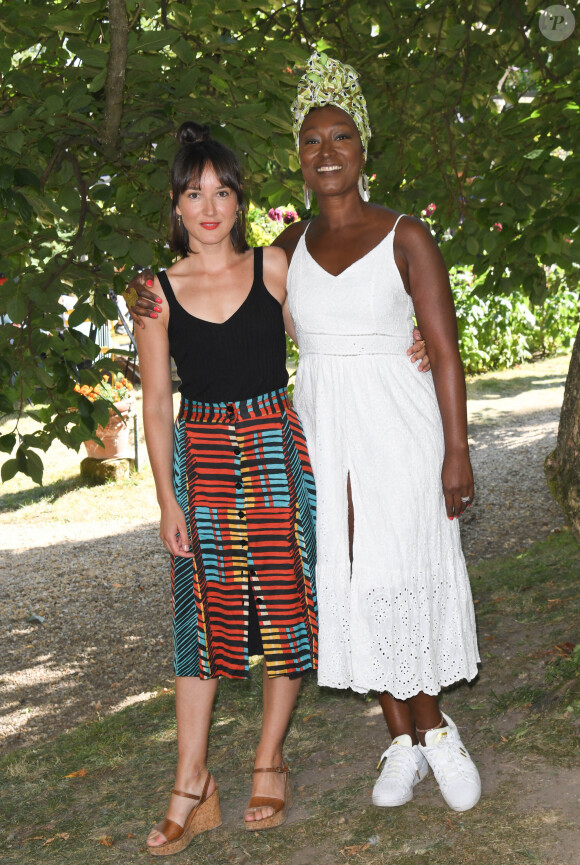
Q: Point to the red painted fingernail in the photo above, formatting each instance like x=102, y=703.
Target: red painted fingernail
x=158, y=300
x=157, y=309
x=149, y=282
x=153, y=315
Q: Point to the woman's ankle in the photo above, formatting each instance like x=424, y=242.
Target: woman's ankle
x=190, y=775
x=268, y=756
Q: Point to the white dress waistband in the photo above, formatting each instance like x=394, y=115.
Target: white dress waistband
x=352, y=344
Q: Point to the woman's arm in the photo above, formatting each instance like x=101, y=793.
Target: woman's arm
x=275, y=274
x=433, y=301
x=289, y=323
x=155, y=371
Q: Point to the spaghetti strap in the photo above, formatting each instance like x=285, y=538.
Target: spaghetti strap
x=166, y=286
x=400, y=216
x=258, y=265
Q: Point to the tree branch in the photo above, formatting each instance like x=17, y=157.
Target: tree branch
x=115, y=80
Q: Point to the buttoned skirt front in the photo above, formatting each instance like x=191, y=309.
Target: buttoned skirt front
x=243, y=479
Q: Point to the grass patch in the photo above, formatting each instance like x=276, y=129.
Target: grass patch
x=528, y=604
x=528, y=612
x=538, y=375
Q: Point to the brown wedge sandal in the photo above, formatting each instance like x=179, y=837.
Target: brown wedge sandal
x=205, y=815
x=280, y=806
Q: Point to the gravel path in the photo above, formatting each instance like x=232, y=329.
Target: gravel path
x=103, y=589
x=509, y=441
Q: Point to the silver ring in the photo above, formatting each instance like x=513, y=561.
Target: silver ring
x=465, y=499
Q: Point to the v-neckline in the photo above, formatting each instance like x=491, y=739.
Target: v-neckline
x=362, y=258
x=220, y=323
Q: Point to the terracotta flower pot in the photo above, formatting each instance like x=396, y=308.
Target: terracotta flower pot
x=115, y=436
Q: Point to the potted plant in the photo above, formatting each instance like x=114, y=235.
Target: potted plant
x=116, y=389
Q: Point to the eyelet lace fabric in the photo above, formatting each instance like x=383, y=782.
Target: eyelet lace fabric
x=401, y=618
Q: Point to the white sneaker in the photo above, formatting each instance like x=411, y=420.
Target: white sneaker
x=404, y=767
x=452, y=766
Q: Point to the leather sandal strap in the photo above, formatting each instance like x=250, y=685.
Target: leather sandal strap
x=201, y=798
x=186, y=795
x=170, y=829
x=281, y=770
x=266, y=802
x=205, y=786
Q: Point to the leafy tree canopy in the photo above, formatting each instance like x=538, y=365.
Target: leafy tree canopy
x=472, y=108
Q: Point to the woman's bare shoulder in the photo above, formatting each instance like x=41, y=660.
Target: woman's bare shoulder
x=413, y=233
x=386, y=218
x=274, y=255
x=180, y=267
x=275, y=264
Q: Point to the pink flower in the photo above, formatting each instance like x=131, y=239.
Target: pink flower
x=373, y=176
x=275, y=214
x=290, y=216
x=498, y=225
x=431, y=208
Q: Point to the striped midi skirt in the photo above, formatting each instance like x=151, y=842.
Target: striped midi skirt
x=243, y=479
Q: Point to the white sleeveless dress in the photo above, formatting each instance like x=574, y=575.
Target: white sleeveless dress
x=401, y=619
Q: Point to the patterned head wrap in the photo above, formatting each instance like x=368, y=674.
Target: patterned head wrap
x=330, y=82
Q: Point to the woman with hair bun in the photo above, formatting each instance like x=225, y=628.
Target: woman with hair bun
x=233, y=482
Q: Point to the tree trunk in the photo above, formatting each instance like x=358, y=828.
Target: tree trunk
x=562, y=466
x=115, y=80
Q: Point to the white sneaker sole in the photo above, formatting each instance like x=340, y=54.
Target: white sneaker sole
x=381, y=802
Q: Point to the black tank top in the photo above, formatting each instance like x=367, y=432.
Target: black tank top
x=239, y=359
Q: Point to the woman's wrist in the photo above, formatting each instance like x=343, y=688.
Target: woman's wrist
x=456, y=448
x=166, y=498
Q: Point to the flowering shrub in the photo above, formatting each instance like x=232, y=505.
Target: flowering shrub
x=260, y=229
x=113, y=388
x=281, y=214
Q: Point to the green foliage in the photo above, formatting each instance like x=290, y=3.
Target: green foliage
x=565, y=667
x=497, y=331
x=472, y=108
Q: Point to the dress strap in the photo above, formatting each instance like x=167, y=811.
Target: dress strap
x=400, y=216
x=258, y=264
x=166, y=286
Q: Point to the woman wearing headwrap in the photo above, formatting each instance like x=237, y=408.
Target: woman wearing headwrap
x=388, y=446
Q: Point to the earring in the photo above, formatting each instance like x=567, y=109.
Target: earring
x=179, y=220
x=307, y=196
x=363, y=187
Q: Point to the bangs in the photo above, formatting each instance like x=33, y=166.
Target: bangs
x=221, y=167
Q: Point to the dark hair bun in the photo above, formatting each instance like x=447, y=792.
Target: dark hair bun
x=192, y=133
